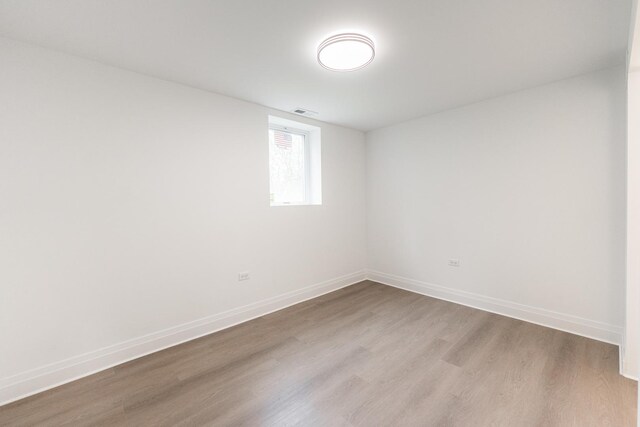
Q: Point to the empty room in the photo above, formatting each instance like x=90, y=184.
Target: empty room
x=330, y=213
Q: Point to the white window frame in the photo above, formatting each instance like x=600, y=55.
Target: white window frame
x=307, y=162
x=312, y=160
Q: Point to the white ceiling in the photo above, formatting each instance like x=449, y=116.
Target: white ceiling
x=431, y=54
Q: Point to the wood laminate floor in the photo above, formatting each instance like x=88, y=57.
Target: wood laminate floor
x=366, y=355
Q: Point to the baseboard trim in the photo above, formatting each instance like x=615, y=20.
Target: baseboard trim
x=564, y=322
x=40, y=379
x=627, y=370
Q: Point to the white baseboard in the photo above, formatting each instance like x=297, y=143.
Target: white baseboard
x=564, y=322
x=36, y=380
x=628, y=370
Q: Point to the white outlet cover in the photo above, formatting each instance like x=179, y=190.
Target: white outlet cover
x=454, y=262
x=243, y=276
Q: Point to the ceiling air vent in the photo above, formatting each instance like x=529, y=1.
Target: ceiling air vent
x=303, y=112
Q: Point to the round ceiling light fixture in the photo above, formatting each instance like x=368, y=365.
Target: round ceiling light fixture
x=346, y=52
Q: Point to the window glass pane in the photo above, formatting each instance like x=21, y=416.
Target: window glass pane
x=287, y=167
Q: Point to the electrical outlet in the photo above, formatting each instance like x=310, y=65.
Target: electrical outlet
x=454, y=262
x=243, y=276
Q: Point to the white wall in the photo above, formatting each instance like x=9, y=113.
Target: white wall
x=129, y=204
x=527, y=190
x=632, y=326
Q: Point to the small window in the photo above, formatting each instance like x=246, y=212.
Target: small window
x=294, y=163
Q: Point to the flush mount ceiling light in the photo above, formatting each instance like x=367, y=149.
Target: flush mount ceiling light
x=346, y=52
